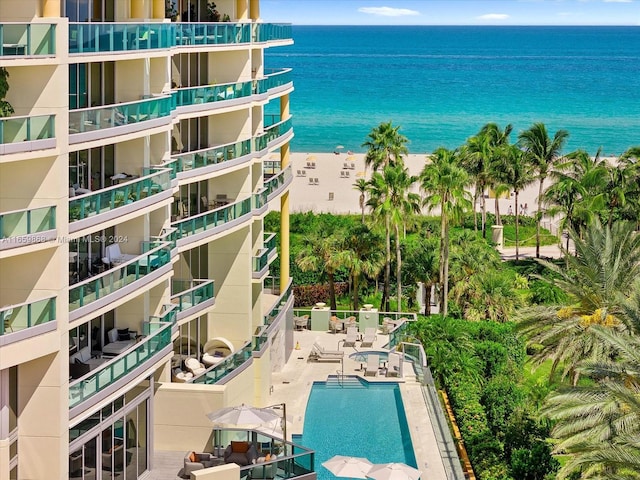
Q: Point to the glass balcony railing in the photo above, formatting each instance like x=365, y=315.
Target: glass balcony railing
x=279, y=305
x=157, y=337
x=190, y=293
x=26, y=129
x=271, y=133
x=213, y=93
x=212, y=33
x=273, y=80
x=222, y=369
x=211, y=156
x=270, y=241
x=265, y=32
x=119, y=37
x=278, y=181
x=259, y=200
x=14, y=318
x=22, y=39
x=154, y=255
x=108, y=116
x=261, y=261
x=119, y=195
x=27, y=222
x=211, y=219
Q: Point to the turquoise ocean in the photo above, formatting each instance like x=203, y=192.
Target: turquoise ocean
x=441, y=84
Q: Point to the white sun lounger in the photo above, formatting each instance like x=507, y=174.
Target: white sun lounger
x=369, y=337
x=318, y=353
x=352, y=336
x=393, y=364
x=373, y=363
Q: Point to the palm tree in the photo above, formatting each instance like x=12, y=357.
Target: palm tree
x=517, y=173
x=443, y=180
x=421, y=265
x=361, y=186
x=323, y=255
x=385, y=146
x=362, y=257
x=544, y=153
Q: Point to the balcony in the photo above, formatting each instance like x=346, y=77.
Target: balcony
x=94, y=208
x=277, y=183
x=271, y=134
x=266, y=255
x=275, y=79
x=27, y=319
x=95, y=123
x=191, y=296
x=113, y=373
x=212, y=159
x=27, y=227
x=27, y=39
x=196, y=98
x=27, y=133
x=204, y=224
x=212, y=33
x=269, y=32
x=129, y=274
x=90, y=38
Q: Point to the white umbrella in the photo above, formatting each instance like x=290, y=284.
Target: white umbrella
x=243, y=415
x=338, y=147
x=353, y=467
x=393, y=471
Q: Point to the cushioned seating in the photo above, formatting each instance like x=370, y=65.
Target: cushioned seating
x=83, y=356
x=196, y=461
x=210, y=360
x=241, y=453
x=119, y=341
x=194, y=366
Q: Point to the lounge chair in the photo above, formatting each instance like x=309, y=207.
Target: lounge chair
x=318, y=353
x=194, y=366
x=352, y=337
x=373, y=363
x=393, y=364
x=350, y=322
x=301, y=323
x=369, y=337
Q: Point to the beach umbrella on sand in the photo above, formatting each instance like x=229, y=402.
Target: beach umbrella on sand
x=339, y=147
x=393, y=471
x=243, y=415
x=352, y=467
x=311, y=158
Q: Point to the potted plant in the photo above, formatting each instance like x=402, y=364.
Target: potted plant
x=213, y=15
x=226, y=18
x=5, y=107
x=170, y=10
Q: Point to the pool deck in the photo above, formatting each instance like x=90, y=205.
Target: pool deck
x=293, y=386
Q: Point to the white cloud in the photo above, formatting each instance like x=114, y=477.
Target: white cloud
x=493, y=16
x=388, y=11
x=618, y=1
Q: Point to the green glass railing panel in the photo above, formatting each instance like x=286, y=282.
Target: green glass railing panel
x=118, y=196
x=18, y=39
x=98, y=118
x=260, y=262
x=299, y=465
x=213, y=93
x=15, y=318
x=274, y=80
x=270, y=241
x=212, y=219
x=27, y=222
x=113, y=370
x=26, y=129
x=119, y=37
x=278, y=181
x=106, y=283
x=211, y=156
x=265, y=32
x=212, y=33
x=277, y=308
x=272, y=133
x=190, y=293
x=259, y=199
x=226, y=366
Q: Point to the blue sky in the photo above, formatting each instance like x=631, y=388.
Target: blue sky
x=452, y=12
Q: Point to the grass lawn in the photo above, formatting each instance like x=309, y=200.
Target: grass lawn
x=527, y=236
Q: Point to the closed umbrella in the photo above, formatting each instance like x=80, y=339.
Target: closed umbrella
x=393, y=471
x=352, y=467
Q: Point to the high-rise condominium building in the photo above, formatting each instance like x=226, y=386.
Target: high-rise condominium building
x=148, y=140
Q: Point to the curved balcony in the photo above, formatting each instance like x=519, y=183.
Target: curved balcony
x=91, y=38
x=96, y=123
x=273, y=135
x=127, y=277
x=264, y=258
x=276, y=79
x=198, y=162
x=94, y=208
x=27, y=227
x=260, y=202
x=27, y=133
x=27, y=320
x=212, y=33
x=194, y=99
x=192, y=297
x=205, y=224
x=268, y=32
x=27, y=39
x=276, y=184
x=111, y=375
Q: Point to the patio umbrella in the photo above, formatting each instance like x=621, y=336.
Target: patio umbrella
x=243, y=415
x=339, y=147
x=393, y=471
x=352, y=467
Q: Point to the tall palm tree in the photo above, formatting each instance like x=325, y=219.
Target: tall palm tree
x=476, y=159
x=361, y=186
x=385, y=146
x=444, y=180
x=544, y=153
x=363, y=257
x=322, y=254
x=421, y=265
x=517, y=173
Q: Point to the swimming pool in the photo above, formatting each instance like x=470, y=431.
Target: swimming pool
x=359, y=419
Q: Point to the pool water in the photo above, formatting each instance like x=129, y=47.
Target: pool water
x=356, y=418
